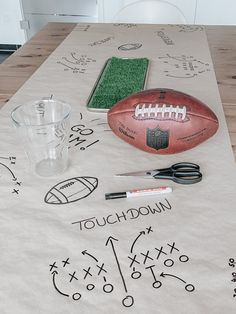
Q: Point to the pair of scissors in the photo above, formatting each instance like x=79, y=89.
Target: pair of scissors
x=182, y=173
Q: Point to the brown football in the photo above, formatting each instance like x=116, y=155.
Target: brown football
x=162, y=121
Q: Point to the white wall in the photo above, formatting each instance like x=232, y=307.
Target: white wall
x=10, y=17
x=216, y=12
x=111, y=7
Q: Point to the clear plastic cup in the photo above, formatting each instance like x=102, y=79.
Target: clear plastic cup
x=44, y=128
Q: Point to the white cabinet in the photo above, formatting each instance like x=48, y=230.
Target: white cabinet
x=38, y=13
x=216, y=12
x=10, y=16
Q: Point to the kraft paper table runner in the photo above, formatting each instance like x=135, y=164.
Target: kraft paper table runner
x=172, y=254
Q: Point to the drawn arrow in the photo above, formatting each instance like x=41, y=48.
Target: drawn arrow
x=164, y=275
x=140, y=233
x=110, y=240
x=14, y=178
x=54, y=273
x=86, y=253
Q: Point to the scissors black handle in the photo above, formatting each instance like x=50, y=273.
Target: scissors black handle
x=182, y=173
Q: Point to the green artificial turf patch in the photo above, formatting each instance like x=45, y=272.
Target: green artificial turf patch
x=119, y=79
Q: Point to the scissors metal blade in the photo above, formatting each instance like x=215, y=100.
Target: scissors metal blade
x=144, y=174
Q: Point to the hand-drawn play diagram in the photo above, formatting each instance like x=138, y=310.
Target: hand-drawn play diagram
x=71, y=190
x=83, y=135
x=183, y=66
x=155, y=265
x=7, y=174
x=75, y=62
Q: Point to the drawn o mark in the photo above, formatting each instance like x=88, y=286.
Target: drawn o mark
x=108, y=288
x=189, y=288
x=76, y=296
x=168, y=262
x=128, y=301
x=184, y=258
x=90, y=287
x=157, y=284
x=136, y=274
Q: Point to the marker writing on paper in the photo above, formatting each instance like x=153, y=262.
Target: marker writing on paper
x=139, y=192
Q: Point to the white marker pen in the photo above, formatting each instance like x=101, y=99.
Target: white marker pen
x=139, y=192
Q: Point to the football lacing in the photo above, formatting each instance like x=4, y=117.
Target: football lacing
x=160, y=111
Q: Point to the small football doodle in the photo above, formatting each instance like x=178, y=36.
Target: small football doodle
x=83, y=135
x=184, y=66
x=76, y=63
x=71, y=190
x=6, y=170
x=130, y=46
x=152, y=264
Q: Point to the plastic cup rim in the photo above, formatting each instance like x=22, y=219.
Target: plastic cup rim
x=43, y=124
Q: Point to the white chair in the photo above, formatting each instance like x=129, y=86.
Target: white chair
x=150, y=12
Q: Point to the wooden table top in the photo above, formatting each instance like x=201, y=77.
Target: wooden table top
x=22, y=64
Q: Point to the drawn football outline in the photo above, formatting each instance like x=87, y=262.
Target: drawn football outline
x=71, y=190
x=162, y=121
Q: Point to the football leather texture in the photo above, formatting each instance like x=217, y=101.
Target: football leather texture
x=162, y=121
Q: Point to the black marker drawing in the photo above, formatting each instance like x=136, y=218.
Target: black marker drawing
x=83, y=135
x=130, y=46
x=142, y=265
x=128, y=300
x=82, y=27
x=140, y=234
x=165, y=38
x=157, y=262
x=86, y=253
x=71, y=190
x=7, y=174
x=76, y=63
x=188, y=28
x=183, y=66
x=121, y=217
x=232, y=263
x=85, y=279
x=125, y=25
x=101, y=41
x=188, y=287
x=54, y=273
